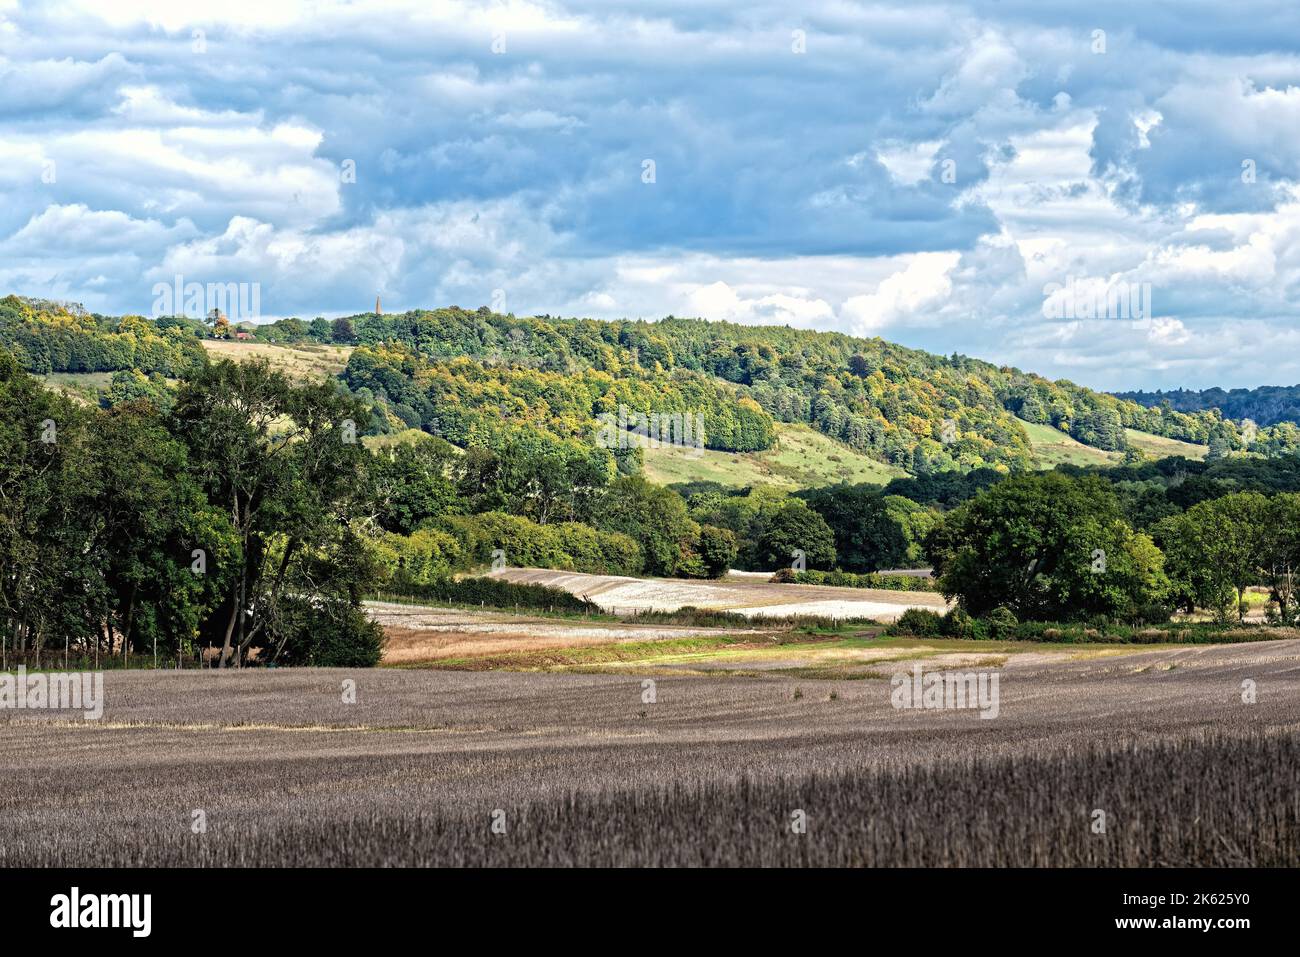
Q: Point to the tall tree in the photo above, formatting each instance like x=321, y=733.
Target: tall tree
x=284, y=461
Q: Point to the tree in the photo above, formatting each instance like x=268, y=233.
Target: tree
x=320, y=329
x=341, y=331
x=793, y=529
x=1215, y=549
x=868, y=535
x=282, y=460
x=717, y=550
x=49, y=581
x=414, y=482
x=1048, y=547
x=651, y=515
x=1280, y=552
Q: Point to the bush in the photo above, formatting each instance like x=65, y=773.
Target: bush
x=957, y=623
x=424, y=556
x=329, y=633
x=499, y=593
x=918, y=622
x=845, y=579
x=1001, y=623
x=1153, y=614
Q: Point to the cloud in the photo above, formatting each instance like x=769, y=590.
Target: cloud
x=908, y=163
x=500, y=146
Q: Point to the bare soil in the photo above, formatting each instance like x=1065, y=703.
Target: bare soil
x=419, y=633
x=624, y=596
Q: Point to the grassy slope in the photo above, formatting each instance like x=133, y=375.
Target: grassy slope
x=1054, y=447
x=301, y=361
x=801, y=458
x=80, y=386
x=1158, y=447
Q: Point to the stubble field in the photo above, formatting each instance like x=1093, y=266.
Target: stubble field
x=584, y=768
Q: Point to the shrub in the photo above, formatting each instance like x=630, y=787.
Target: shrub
x=329, y=633
x=918, y=622
x=1001, y=623
x=499, y=593
x=845, y=579
x=422, y=557
x=956, y=623
x=1153, y=614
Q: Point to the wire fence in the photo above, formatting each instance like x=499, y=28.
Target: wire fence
x=70, y=659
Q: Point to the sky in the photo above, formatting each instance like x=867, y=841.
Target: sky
x=964, y=177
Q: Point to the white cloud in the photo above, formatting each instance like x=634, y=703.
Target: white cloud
x=521, y=171
x=924, y=282
x=906, y=163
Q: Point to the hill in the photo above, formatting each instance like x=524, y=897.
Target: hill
x=754, y=395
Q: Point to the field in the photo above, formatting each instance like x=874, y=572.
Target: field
x=302, y=361
x=1158, y=447
x=802, y=458
x=418, y=634
x=1053, y=447
x=267, y=767
x=79, y=386
x=748, y=595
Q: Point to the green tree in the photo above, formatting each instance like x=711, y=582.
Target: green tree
x=796, y=528
x=717, y=550
x=653, y=516
x=414, y=482
x=1216, y=548
x=868, y=534
x=283, y=461
x=1048, y=547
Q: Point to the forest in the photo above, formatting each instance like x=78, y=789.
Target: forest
x=1265, y=405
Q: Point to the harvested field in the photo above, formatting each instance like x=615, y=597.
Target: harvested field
x=585, y=769
x=755, y=599
x=418, y=633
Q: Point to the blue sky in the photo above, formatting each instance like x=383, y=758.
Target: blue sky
x=921, y=172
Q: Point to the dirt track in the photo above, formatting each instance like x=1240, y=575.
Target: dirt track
x=620, y=595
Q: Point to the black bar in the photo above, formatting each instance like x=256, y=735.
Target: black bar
x=958, y=907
